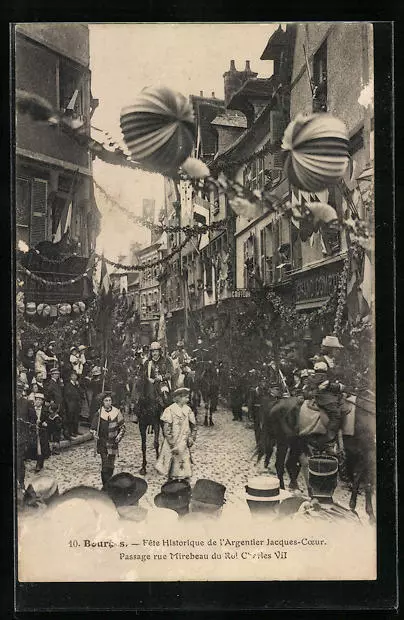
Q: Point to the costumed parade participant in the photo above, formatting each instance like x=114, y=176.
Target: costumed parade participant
x=159, y=373
x=108, y=429
x=38, y=449
x=179, y=430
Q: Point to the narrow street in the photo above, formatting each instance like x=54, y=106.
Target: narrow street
x=223, y=453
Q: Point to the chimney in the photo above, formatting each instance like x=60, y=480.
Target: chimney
x=233, y=79
x=201, y=93
x=213, y=94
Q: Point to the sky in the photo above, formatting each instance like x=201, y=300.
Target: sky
x=189, y=58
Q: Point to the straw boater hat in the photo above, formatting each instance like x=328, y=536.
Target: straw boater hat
x=39, y=395
x=55, y=370
x=320, y=367
x=73, y=348
x=182, y=391
x=265, y=489
x=82, y=347
x=332, y=342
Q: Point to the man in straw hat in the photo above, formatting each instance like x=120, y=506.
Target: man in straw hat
x=328, y=394
x=179, y=430
x=263, y=495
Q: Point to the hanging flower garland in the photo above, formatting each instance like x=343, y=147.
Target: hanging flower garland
x=195, y=230
x=57, y=283
x=160, y=261
x=342, y=293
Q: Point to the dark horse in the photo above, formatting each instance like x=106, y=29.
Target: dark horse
x=278, y=426
x=209, y=382
x=151, y=404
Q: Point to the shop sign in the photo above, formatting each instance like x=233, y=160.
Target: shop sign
x=241, y=293
x=316, y=286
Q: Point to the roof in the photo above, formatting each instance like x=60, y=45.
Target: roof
x=230, y=118
x=256, y=88
x=206, y=109
x=250, y=132
x=278, y=39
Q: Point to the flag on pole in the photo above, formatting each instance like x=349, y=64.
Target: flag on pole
x=105, y=307
x=162, y=333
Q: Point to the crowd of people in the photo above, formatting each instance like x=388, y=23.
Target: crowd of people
x=206, y=499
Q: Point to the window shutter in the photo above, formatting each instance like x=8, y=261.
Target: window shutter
x=277, y=126
x=38, y=211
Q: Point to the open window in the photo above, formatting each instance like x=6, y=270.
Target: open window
x=71, y=93
x=320, y=79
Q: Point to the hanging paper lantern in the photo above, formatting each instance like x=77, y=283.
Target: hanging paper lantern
x=159, y=129
x=76, y=309
x=40, y=308
x=322, y=213
x=318, y=151
x=81, y=305
x=64, y=309
x=196, y=168
x=53, y=311
x=30, y=308
x=46, y=311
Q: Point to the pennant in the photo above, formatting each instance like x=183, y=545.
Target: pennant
x=68, y=221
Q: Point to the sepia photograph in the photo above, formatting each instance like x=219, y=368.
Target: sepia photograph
x=195, y=392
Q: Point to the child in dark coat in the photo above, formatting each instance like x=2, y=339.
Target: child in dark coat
x=54, y=428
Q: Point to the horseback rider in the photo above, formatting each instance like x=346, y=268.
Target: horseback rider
x=181, y=355
x=158, y=374
x=328, y=396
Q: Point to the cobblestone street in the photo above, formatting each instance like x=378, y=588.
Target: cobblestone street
x=223, y=453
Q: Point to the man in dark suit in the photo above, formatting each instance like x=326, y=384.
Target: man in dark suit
x=26, y=427
x=73, y=401
x=54, y=393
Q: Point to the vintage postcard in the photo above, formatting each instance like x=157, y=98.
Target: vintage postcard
x=195, y=361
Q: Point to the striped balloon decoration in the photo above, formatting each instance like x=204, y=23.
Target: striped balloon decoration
x=318, y=151
x=159, y=129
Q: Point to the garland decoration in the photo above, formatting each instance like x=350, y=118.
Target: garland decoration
x=195, y=230
x=39, y=280
x=160, y=261
x=342, y=293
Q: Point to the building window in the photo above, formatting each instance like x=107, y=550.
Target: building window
x=320, y=79
x=32, y=210
x=267, y=254
x=254, y=175
x=356, y=143
x=71, y=89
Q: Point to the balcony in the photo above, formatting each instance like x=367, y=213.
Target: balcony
x=69, y=269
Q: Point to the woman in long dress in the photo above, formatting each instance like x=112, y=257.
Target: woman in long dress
x=179, y=430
